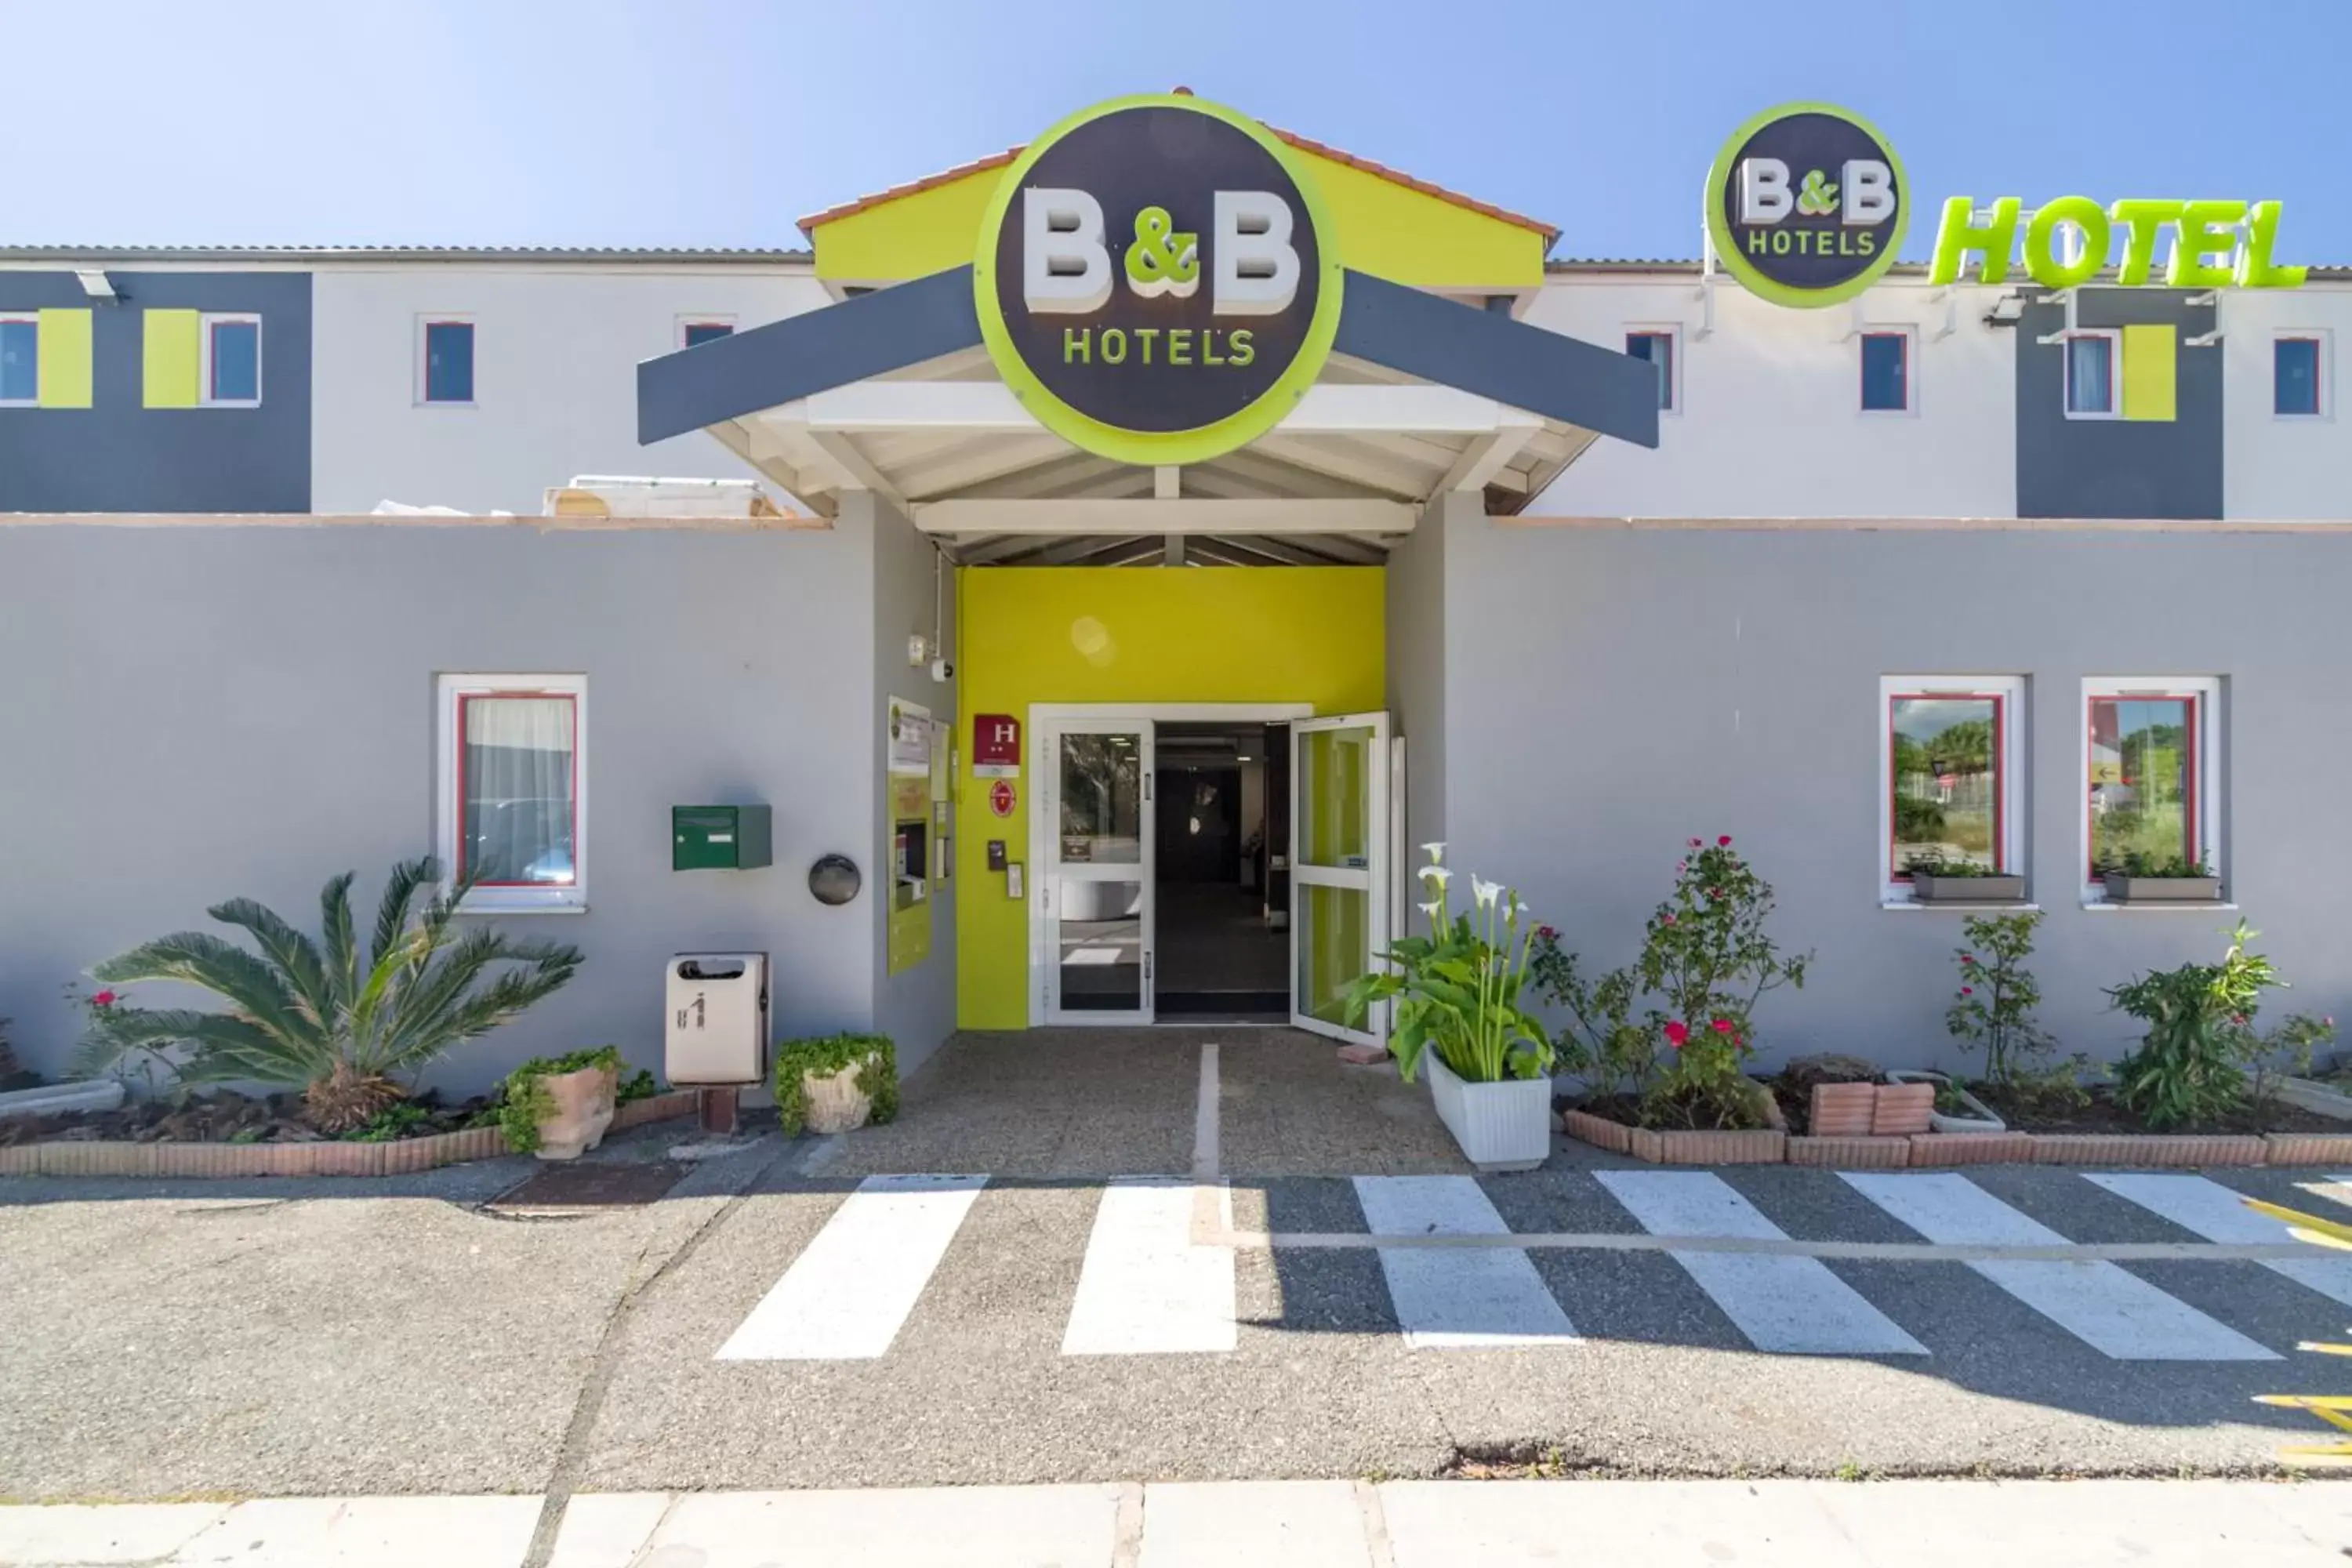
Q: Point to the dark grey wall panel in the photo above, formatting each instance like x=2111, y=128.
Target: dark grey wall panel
x=2119, y=467
x=121, y=455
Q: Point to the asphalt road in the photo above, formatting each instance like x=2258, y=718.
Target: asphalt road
x=275, y=1338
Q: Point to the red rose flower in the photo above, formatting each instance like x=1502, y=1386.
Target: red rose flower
x=102, y=999
x=1680, y=866
x=1723, y=1025
x=1724, y=842
x=1968, y=990
x=1968, y=958
x=1670, y=920
x=1693, y=843
x=1677, y=1035
x=1549, y=933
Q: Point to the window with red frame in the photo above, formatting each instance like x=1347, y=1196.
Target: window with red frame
x=2145, y=757
x=519, y=789
x=1947, y=771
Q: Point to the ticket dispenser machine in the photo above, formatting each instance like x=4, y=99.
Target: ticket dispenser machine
x=716, y=1032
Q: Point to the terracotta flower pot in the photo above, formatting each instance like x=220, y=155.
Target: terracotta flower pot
x=583, y=1109
x=1842, y=1109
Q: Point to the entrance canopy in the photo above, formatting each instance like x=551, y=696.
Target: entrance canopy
x=1401, y=395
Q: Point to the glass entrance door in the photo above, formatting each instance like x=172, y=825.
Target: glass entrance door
x=1339, y=881
x=1097, y=863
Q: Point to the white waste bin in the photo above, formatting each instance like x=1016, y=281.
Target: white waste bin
x=718, y=1029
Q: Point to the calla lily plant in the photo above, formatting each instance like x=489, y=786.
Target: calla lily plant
x=1457, y=991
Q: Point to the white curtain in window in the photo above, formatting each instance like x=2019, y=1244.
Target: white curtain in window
x=519, y=789
x=2087, y=375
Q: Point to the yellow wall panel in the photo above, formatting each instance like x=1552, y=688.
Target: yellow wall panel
x=1387, y=229
x=1142, y=636
x=171, y=365
x=2151, y=371
x=64, y=363
x=913, y=236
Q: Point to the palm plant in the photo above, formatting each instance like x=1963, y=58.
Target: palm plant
x=305, y=1014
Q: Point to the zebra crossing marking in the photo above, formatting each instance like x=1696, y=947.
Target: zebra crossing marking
x=1146, y=1288
x=2214, y=1212
x=848, y=1294
x=1459, y=1299
x=2114, y=1311
x=1789, y=1306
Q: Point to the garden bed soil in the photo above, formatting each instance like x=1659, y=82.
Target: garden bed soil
x=2104, y=1115
x=224, y=1116
x=1626, y=1110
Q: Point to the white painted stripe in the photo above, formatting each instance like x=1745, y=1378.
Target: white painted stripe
x=2208, y=1209
x=1206, y=1110
x=846, y=1295
x=1145, y=1288
x=1792, y=1305
x=1455, y=1299
x=2114, y=1312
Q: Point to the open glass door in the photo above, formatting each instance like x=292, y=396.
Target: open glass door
x=1095, y=889
x=1339, y=838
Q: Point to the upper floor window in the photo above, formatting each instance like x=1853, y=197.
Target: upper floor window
x=1657, y=344
x=1947, y=775
x=444, y=370
x=693, y=334
x=2093, y=374
x=20, y=359
x=2150, y=779
x=1886, y=371
x=513, y=807
x=2295, y=374
x=231, y=374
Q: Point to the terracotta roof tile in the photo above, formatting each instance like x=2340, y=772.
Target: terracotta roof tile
x=1304, y=143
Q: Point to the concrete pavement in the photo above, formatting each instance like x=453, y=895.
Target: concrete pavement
x=1297, y=1524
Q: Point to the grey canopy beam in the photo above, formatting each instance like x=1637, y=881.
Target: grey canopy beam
x=1486, y=353
x=1422, y=335
x=867, y=335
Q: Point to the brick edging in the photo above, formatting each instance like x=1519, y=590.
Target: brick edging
x=1929, y=1151
x=328, y=1157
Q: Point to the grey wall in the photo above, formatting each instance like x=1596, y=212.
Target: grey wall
x=2119, y=467
x=252, y=709
x=917, y=1008
x=1416, y=672
x=119, y=455
x=1611, y=692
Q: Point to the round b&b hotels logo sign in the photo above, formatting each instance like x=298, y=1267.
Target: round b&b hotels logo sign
x=1807, y=205
x=1155, y=279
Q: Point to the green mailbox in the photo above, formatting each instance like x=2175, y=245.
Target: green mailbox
x=718, y=837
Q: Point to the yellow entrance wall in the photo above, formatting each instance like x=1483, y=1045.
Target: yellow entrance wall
x=1140, y=635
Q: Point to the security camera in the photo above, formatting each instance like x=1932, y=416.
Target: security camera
x=942, y=670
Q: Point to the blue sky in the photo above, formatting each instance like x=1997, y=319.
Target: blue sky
x=709, y=122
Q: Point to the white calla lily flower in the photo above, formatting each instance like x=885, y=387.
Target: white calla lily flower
x=1435, y=851
x=1432, y=910
x=1437, y=874
x=1486, y=893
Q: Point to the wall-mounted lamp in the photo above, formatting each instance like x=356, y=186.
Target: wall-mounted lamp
x=97, y=285
x=2007, y=310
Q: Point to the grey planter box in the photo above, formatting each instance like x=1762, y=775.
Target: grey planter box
x=2123, y=889
x=1930, y=888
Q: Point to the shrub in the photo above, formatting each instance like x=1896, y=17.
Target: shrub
x=1601, y=1044
x=876, y=1057
x=2193, y=1063
x=307, y=1015
x=1706, y=959
x=1457, y=990
x=1994, y=1005
x=523, y=1099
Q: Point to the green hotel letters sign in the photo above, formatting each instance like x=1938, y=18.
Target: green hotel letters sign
x=1807, y=203
x=1156, y=279
x=2206, y=248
